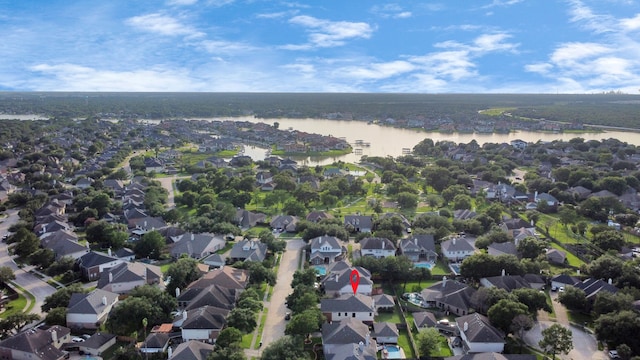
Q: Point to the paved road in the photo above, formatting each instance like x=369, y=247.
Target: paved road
x=38, y=288
x=275, y=324
x=585, y=346
x=167, y=183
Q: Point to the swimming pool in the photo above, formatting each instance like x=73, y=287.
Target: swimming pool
x=320, y=270
x=392, y=352
x=426, y=265
x=455, y=268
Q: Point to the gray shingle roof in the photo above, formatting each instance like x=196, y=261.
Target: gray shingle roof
x=192, y=350
x=37, y=342
x=91, y=303
x=348, y=303
x=424, y=319
x=374, y=243
x=479, y=330
x=347, y=331
x=385, y=329
x=206, y=317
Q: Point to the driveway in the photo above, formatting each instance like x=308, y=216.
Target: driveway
x=38, y=288
x=585, y=346
x=167, y=183
x=275, y=324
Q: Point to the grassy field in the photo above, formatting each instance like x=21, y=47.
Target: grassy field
x=14, y=307
x=572, y=259
x=403, y=342
x=443, y=349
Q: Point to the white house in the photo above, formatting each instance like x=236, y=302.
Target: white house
x=457, y=249
x=338, y=280
x=479, y=335
x=359, y=307
x=377, y=247
x=325, y=249
x=204, y=323
x=88, y=311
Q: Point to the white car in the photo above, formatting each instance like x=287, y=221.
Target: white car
x=77, y=339
x=614, y=354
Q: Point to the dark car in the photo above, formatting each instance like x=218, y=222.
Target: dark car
x=287, y=316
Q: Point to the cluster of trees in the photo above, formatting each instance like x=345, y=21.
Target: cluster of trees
x=482, y=265
x=393, y=268
x=144, y=302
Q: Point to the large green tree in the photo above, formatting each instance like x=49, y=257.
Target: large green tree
x=504, y=311
x=181, y=273
x=61, y=297
x=618, y=327
x=305, y=323
x=428, y=341
x=150, y=245
x=285, y=348
x=107, y=235
x=242, y=319
x=556, y=339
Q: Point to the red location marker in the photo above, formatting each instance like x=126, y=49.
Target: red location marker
x=355, y=280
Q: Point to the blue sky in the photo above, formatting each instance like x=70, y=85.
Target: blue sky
x=447, y=46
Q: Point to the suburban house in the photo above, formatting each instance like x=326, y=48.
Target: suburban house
x=424, y=319
x=563, y=280
x=227, y=277
x=478, y=335
x=155, y=342
x=505, y=248
x=94, y=263
x=124, y=277
x=203, y=323
x=63, y=244
x=506, y=282
x=191, y=350
x=385, y=333
x=419, y=248
x=125, y=254
x=360, y=307
x=316, y=216
x=556, y=256
x=284, y=223
x=36, y=343
x=448, y=295
x=247, y=219
x=348, y=339
x=377, y=247
x=215, y=261
x=88, y=311
x=97, y=343
x=457, y=249
x=196, y=246
x=384, y=302
x=359, y=223
x=213, y=295
x=513, y=227
x=248, y=250
x=338, y=281
x=592, y=287
x=325, y=249
x=153, y=164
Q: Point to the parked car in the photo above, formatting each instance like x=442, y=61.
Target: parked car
x=77, y=339
x=614, y=354
x=287, y=316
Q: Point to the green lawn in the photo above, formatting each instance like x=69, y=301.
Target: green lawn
x=443, y=350
x=572, y=259
x=246, y=341
x=14, y=307
x=392, y=317
x=403, y=342
x=226, y=247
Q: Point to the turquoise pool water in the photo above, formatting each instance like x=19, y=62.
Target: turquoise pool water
x=392, y=348
x=320, y=270
x=424, y=265
x=455, y=268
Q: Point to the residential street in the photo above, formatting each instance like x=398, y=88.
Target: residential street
x=38, y=288
x=167, y=183
x=585, y=346
x=275, y=323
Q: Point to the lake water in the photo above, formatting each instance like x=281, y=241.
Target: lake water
x=389, y=141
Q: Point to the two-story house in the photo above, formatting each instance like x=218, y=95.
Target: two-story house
x=377, y=247
x=457, y=249
x=325, y=249
x=359, y=307
x=88, y=311
x=419, y=248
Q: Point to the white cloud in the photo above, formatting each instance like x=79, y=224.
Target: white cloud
x=219, y=3
x=501, y=3
x=71, y=77
x=326, y=33
x=377, y=71
x=181, y=2
x=631, y=24
x=394, y=11
x=162, y=24
x=540, y=68
x=598, y=23
x=570, y=54
x=226, y=47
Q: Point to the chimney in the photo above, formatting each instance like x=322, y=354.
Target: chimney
x=367, y=339
x=184, y=315
x=192, y=237
x=465, y=326
x=503, y=272
x=170, y=352
x=383, y=244
x=54, y=336
x=109, y=251
x=361, y=346
x=415, y=241
x=532, y=223
x=535, y=196
x=610, y=282
x=177, y=292
x=104, y=300
x=444, y=281
x=453, y=241
x=110, y=277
